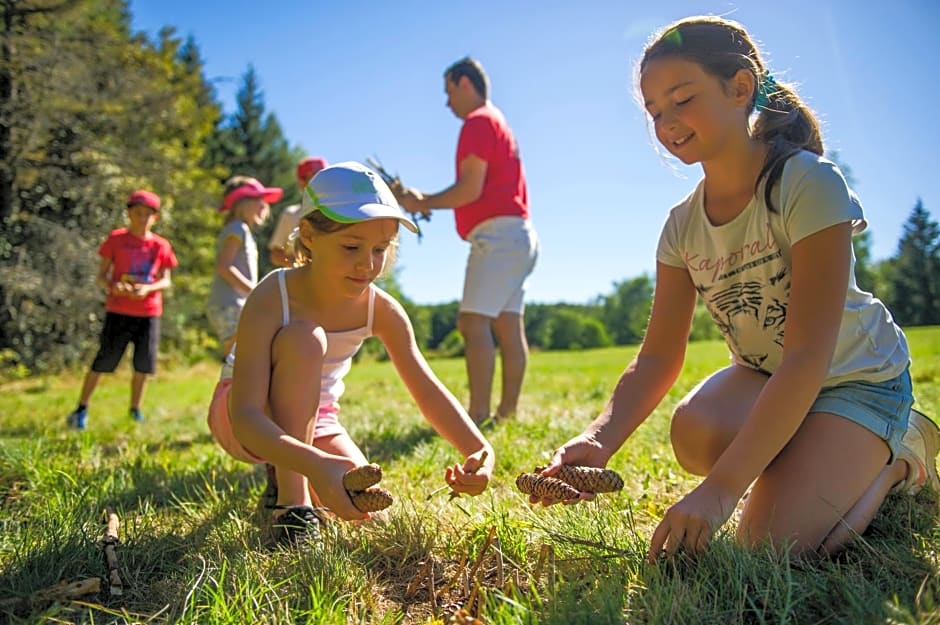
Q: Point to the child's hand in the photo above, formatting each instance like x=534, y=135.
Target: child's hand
x=411, y=199
x=582, y=450
x=474, y=476
x=327, y=482
x=692, y=521
x=140, y=290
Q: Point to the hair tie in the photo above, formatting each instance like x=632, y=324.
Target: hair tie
x=766, y=88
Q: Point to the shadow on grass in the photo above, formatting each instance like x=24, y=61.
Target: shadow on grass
x=888, y=564
x=887, y=575
x=387, y=444
x=157, y=554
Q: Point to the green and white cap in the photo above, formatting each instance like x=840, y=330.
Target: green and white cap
x=350, y=192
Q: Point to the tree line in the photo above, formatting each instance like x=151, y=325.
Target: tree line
x=90, y=110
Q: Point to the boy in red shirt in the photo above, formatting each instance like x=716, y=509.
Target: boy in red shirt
x=134, y=270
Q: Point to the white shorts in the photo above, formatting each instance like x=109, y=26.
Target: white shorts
x=503, y=251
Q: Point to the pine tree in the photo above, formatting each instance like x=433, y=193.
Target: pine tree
x=93, y=111
x=915, y=280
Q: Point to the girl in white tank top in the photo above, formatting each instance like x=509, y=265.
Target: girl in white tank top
x=296, y=338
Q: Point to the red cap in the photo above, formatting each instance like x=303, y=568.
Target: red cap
x=144, y=198
x=252, y=188
x=307, y=168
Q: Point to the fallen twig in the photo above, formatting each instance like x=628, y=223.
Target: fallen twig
x=109, y=542
x=62, y=590
x=416, y=580
x=486, y=545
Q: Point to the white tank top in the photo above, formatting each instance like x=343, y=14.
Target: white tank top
x=340, y=349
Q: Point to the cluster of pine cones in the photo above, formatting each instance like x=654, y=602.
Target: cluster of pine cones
x=361, y=482
x=568, y=482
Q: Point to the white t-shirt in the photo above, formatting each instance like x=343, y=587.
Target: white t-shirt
x=742, y=271
x=286, y=223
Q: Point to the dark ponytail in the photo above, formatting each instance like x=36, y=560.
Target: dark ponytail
x=786, y=125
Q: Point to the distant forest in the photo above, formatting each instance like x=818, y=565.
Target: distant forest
x=90, y=110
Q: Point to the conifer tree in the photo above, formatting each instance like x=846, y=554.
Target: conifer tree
x=915, y=280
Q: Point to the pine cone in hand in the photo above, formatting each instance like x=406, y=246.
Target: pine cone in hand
x=372, y=499
x=545, y=487
x=362, y=477
x=589, y=479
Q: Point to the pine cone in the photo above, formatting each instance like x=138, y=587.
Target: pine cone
x=545, y=487
x=372, y=499
x=362, y=477
x=590, y=479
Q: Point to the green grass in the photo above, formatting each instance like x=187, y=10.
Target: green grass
x=193, y=544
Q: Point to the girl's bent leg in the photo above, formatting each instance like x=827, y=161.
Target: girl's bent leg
x=813, y=483
x=709, y=417
x=857, y=519
x=297, y=362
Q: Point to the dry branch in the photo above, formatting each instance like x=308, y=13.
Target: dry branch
x=59, y=592
x=416, y=580
x=109, y=542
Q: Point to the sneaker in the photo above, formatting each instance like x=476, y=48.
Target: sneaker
x=298, y=524
x=78, y=419
x=136, y=415
x=919, y=449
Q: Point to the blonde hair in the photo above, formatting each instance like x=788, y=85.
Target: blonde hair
x=324, y=225
x=230, y=185
x=723, y=47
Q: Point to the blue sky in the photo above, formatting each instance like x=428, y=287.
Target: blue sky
x=349, y=80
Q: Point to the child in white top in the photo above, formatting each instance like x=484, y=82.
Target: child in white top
x=812, y=411
x=296, y=337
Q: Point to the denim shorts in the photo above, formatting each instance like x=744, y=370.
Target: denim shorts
x=883, y=408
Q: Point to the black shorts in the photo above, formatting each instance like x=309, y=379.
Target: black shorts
x=118, y=331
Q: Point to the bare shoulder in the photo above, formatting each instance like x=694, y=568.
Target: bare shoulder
x=390, y=315
x=264, y=302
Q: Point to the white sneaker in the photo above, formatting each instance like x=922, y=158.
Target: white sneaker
x=919, y=449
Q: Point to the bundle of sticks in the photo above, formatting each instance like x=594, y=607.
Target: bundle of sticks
x=395, y=184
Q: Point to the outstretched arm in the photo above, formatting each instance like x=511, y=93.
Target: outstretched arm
x=466, y=189
x=646, y=379
x=437, y=404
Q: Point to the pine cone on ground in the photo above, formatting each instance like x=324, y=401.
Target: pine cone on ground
x=590, y=479
x=545, y=487
x=362, y=477
x=371, y=499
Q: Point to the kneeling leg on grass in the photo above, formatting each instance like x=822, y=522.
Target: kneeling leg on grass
x=822, y=489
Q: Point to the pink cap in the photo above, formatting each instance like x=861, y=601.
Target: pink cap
x=252, y=188
x=144, y=198
x=307, y=168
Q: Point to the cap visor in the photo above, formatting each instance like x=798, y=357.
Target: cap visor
x=272, y=194
x=354, y=213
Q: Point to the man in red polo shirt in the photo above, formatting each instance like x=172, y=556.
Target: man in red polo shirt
x=491, y=209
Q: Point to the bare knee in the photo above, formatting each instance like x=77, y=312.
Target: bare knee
x=473, y=326
x=301, y=344
x=510, y=333
x=695, y=439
